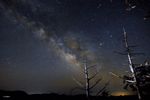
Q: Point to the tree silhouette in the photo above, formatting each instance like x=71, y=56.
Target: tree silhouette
x=90, y=81
x=139, y=78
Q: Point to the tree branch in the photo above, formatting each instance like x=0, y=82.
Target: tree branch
x=78, y=82
x=101, y=90
x=95, y=83
x=120, y=53
x=93, y=76
x=90, y=67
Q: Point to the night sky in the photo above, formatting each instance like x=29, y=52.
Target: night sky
x=43, y=42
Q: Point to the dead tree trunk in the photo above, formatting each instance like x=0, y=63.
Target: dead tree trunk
x=90, y=80
x=86, y=79
x=131, y=65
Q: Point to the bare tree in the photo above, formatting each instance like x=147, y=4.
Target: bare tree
x=131, y=65
x=139, y=78
x=132, y=79
x=88, y=83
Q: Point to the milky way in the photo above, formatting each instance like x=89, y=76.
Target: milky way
x=48, y=40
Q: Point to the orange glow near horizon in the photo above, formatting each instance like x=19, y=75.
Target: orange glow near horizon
x=121, y=93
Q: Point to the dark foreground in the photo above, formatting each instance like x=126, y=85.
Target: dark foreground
x=20, y=95
x=61, y=97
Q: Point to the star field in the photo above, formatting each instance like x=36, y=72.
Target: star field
x=43, y=42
